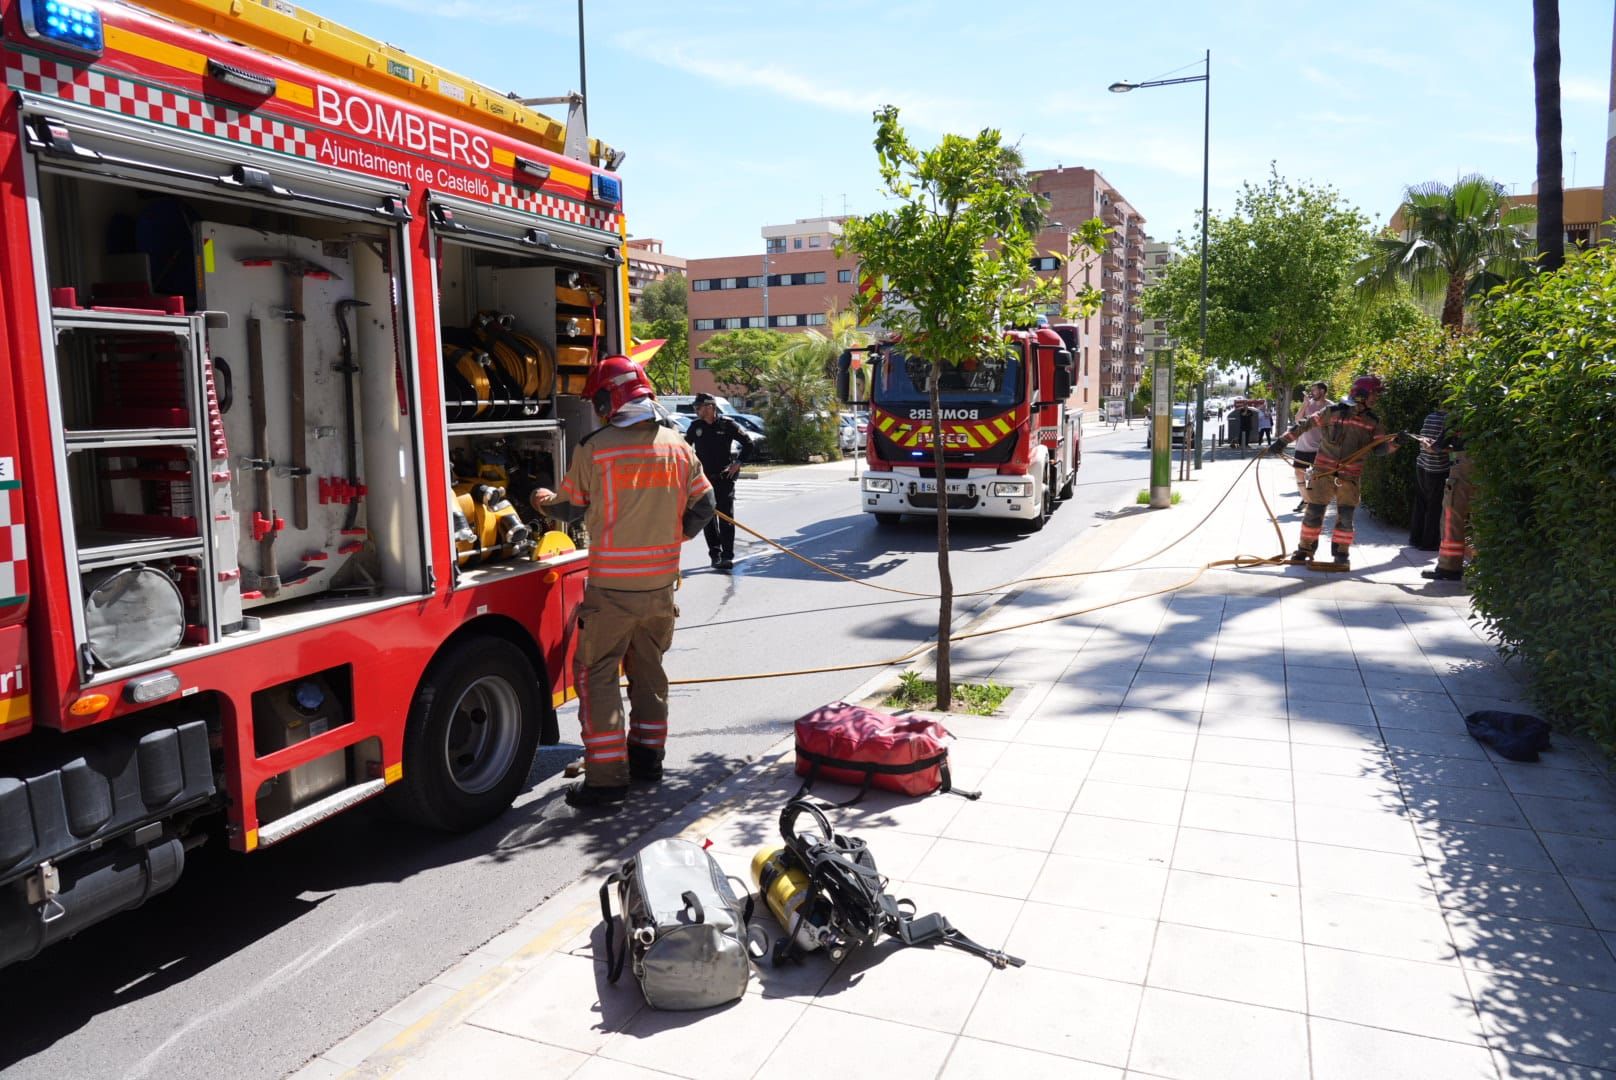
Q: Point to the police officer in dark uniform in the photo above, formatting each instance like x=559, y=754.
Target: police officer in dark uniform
x=715, y=438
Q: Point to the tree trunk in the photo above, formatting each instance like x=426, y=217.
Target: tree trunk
x=1453, y=303
x=945, y=581
x=1550, y=168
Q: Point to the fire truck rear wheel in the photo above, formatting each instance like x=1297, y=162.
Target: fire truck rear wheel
x=473, y=730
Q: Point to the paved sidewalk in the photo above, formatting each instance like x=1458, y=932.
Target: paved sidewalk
x=1236, y=830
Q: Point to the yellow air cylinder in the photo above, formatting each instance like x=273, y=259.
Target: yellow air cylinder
x=784, y=888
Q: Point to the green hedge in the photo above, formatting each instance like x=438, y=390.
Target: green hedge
x=1538, y=408
x=1419, y=369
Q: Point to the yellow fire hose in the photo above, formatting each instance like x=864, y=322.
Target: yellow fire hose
x=1237, y=562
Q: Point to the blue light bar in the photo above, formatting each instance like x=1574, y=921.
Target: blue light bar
x=64, y=24
x=608, y=189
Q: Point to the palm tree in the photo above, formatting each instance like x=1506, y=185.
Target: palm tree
x=1457, y=243
x=797, y=398
x=1550, y=183
x=841, y=333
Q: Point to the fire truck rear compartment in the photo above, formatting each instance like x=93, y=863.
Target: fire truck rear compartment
x=173, y=313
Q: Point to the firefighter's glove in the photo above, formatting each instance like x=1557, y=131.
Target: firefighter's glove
x=1277, y=447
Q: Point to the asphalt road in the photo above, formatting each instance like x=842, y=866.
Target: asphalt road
x=252, y=965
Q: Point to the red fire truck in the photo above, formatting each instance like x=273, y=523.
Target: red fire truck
x=1011, y=443
x=286, y=313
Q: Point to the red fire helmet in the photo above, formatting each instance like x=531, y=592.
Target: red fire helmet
x=621, y=380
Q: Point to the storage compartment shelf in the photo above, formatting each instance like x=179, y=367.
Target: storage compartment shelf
x=89, y=319
x=503, y=427
x=109, y=438
x=105, y=548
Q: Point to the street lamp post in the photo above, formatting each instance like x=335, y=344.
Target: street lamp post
x=1123, y=87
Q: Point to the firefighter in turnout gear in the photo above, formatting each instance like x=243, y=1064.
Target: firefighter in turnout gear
x=715, y=438
x=1455, y=511
x=641, y=493
x=1346, y=428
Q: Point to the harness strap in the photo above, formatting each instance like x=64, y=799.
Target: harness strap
x=614, y=959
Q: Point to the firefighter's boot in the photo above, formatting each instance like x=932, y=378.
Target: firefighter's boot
x=644, y=764
x=1342, y=558
x=1439, y=574
x=1302, y=556
x=586, y=796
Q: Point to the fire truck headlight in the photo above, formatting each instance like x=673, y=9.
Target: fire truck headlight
x=1012, y=490
x=877, y=483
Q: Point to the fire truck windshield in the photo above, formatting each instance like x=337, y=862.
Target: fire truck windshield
x=993, y=380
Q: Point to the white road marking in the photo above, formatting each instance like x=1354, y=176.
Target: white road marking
x=804, y=540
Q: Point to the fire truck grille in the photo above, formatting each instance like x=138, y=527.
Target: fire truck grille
x=926, y=501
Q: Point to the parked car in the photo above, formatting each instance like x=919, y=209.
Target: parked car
x=752, y=424
x=847, y=436
x=1181, y=427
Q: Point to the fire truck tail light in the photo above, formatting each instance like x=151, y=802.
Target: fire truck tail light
x=64, y=24
x=89, y=704
x=877, y=483
x=152, y=687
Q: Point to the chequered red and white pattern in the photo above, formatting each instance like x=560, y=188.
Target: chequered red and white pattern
x=102, y=91
x=13, y=548
x=551, y=206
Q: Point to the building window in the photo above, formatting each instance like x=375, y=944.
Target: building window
x=785, y=320
x=1046, y=262
x=753, y=322
x=701, y=363
x=726, y=283
x=706, y=324
x=796, y=243
x=732, y=323
x=817, y=319
x=774, y=245
x=813, y=241
x=701, y=285
x=844, y=277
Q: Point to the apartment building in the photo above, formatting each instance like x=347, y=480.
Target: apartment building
x=647, y=262
x=789, y=286
x=1113, y=340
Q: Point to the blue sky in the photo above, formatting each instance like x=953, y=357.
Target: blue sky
x=738, y=114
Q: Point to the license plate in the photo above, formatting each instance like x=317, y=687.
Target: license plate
x=926, y=487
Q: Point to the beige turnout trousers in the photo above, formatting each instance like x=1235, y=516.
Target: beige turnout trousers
x=632, y=629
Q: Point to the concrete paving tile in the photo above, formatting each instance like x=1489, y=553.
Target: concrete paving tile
x=1304, y=676
x=986, y=868
x=1244, y=725
x=1042, y=791
x=1524, y=1067
x=979, y=916
x=684, y=1042
x=843, y=1045
x=1577, y=817
x=1598, y=899
x=1333, y=652
x=1201, y=1038
x=1398, y=995
x=1081, y=689
x=1140, y=769
x=1115, y=840
x=1117, y=887
x=1123, y=739
x=1343, y=1051
x=1344, y=703
x=883, y=811
x=1550, y=951
x=565, y=1001
x=1239, y=814
x=1549, y=779
x=1441, y=744
x=1582, y=856
x=1225, y=750
x=1322, y=733
x=1132, y=802
x=1171, y=658
x=1501, y=890
x=1261, y=684
x=1060, y=761
x=1055, y=1012
x=1252, y=782
x=1372, y=791
x=975, y=753
x=1524, y=1015
x=1396, y=681
x=599, y=1068
x=1339, y=760
x=1140, y=718
x=1062, y=732
x=978, y=1059
x=1412, y=931
x=1085, y=942
x=1228, y=965
x=1259, y=858
x=467, y=1050
x=1429, y=720
x=930, y=988
x=1377, y=830
x=1482, y=845
x=1381, y=874
x=991, y=728
x=418, y=1004
x=1013, y=826
x=1245, y=659
x=1172, y=697
x=1481, y=806
x=321, y=1069
x=1447, y=772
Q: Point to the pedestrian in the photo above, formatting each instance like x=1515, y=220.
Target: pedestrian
x=641, y=493
x=1307, y=443
x=1430, y=483
x=1346, y=429
x=1265, y=421
x=716, y=438
x=1456, y=495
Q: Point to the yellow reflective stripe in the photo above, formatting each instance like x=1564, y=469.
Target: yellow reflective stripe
x=1002, y=424
x=14, y=710
x=251, y=841
x=886, y=423
x=161, y=52
x=985, y=432
x=393, y=773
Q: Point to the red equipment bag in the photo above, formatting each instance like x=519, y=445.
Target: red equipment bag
x=850, y=744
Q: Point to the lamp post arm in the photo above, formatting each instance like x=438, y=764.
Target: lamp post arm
x=1167, y=82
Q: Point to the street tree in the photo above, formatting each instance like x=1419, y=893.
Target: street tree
x=953, y=259
x=1279, y=283
x=1458, y=241
x=797, y=397
x=740, y=359
x=664, y=312
x=841, y=333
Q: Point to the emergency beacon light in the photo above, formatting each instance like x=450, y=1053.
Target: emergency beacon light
x=608, y=189
x=64, y=24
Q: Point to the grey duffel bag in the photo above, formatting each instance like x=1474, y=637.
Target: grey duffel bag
x=682, y=924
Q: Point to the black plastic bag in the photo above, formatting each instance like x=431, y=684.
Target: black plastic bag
x=1517, y=736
